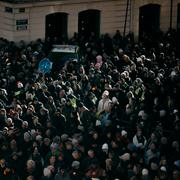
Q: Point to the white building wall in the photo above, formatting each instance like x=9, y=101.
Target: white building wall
x=7, y=23
x=112, y=16
x=164, y=13
x=21, y=34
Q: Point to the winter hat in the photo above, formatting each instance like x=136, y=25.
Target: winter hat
x=64, y=137
x=35, y=53
x=121, y=51
x=143, y=57
x=75, y=164
x=125, y=157
x=25, y=123
x=9, y=120
x=105, y=146
x=38, y=138
x=33, y=132
x=4, y=91
x=163, y=168
x=19, y=84
x=27, y=135
x=24, y=57
x=63, y=100
x=5, y=129
x=75, y=141
x=123, y=133
x=141, y=113
x=173, y=73
x=175, y=111
x=99, y=59
x=162, y=113
x=139, y=59
x=145, y=172
x=56, y=139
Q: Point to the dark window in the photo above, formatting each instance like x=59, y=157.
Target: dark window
x=21, y=24
x=149, y=20
x=8, y=9
x=86, y=19
x=21, y=10
x=56, y=26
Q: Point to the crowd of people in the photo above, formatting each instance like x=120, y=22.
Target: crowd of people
x=113, y=115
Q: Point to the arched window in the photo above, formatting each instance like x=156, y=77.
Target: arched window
x=56, y=26
x=89, y=22
x=149, y=19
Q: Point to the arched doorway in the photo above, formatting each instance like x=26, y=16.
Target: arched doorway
x=56, y=26
x=178, y=18
x=89, y=22
x=178, y=30
x=149, y=20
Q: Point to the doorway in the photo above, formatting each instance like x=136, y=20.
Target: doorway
x=149, y=20
x=178, y=18
x=178, y=30
x=88, y=23
x=56, y=26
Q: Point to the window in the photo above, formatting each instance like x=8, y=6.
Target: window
x=21, y=10
x=21, y=24
x=8, y=9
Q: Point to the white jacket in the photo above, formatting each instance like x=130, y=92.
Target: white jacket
x=104, y=105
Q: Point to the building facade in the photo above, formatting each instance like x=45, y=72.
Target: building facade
x=29, y=20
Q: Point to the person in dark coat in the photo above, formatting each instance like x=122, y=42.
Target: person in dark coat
x=62, y=174
x=59, y=122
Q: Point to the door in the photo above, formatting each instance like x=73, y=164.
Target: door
x=56, y=26
x=149, y=19
x=178, y=18
x=178, y=30
x=89, y=22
